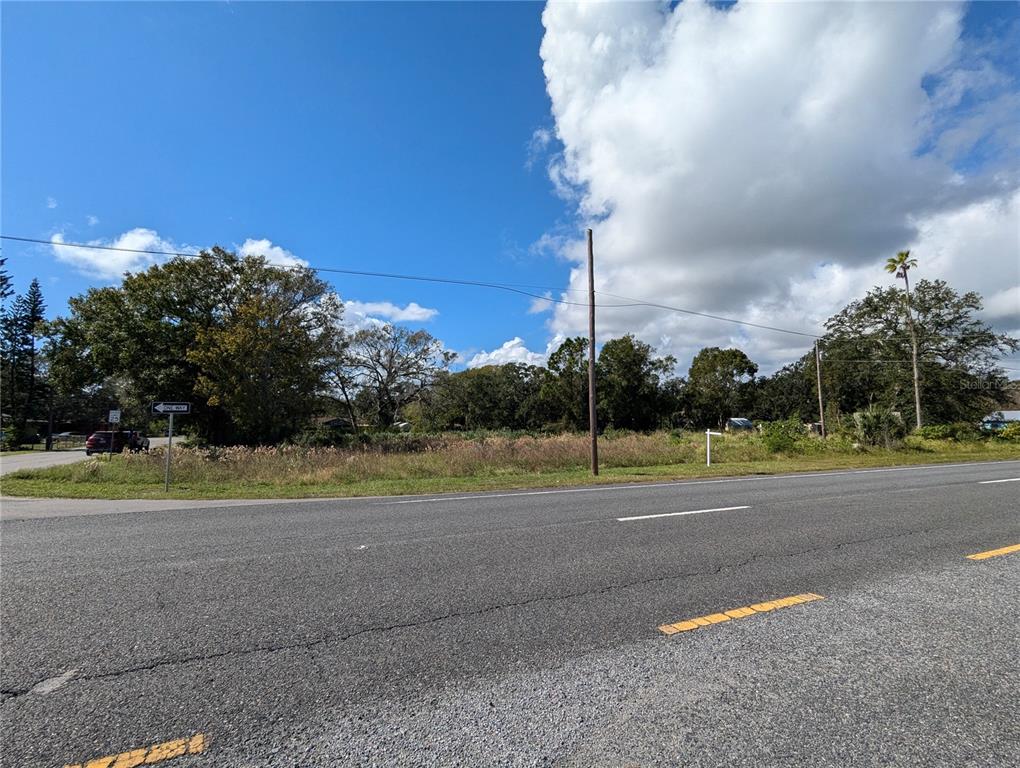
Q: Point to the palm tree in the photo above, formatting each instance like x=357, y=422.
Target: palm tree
x=900, y=265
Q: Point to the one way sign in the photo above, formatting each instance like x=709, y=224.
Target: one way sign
x=166, y=408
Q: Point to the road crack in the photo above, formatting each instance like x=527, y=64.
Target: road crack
x=7, y=695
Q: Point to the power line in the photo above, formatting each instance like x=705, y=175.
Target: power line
x=645, y=303
x=511, y=287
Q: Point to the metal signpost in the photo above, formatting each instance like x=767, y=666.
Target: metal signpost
x=169, y=409
x=708, y=445
x=111, y=419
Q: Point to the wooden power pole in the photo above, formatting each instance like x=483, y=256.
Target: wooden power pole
x=593, y=426
x=818, y=377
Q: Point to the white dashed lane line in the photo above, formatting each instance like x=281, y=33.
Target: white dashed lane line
x=680, y=514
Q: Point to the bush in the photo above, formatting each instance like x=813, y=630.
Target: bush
x=14, y=438
x=781, y=436
x=1010, y=433
x=879, y=426
x=935, y=432
x=961, y=431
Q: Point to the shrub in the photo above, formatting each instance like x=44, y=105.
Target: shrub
x=961, y=431
x=879, y=426
x=1010, y=433
x=935, y=432
x=781, y=436
x=964, y=431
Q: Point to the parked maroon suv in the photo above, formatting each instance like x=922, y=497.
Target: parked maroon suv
x=123, y=439
x=99, y=442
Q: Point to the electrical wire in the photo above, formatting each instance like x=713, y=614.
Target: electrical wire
x=510, y=287
x=646, y=303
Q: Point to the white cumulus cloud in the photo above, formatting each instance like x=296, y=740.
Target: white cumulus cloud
x=513, y=351
x=760, y=161
x=99, y=260
x=386, y=310
x=274, y=254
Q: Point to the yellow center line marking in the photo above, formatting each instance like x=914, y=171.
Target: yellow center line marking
x=157, y=753
x=740, y=613
x=995, y=552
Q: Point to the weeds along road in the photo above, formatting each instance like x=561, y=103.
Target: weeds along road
x=578, y=627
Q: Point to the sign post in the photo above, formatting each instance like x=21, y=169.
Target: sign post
x=708, y=445
x=169, y=449
x=113, y=418
x=169, y=409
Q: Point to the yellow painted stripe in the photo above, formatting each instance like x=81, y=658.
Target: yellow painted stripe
x=740, y=613
x=995, y=552
x=157, y=753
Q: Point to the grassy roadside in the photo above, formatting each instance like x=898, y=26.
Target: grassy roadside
x=270, y=473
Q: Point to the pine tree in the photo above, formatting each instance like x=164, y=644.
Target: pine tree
x=5, y=281
x=19, y=327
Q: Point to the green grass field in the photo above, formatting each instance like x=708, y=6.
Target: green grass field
x=460, y=464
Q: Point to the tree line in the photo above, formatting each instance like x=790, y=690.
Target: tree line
x=263, y=353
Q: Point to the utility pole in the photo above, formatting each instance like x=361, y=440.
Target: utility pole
x=818, y=376
x=913, y=349
x=593, y=427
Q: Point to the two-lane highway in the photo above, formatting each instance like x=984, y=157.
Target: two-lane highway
x=526, y=628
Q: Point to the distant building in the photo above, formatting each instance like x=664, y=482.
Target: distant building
x=993, y=422
x=739, y=424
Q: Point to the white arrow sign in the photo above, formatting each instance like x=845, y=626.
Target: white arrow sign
x=171, y=407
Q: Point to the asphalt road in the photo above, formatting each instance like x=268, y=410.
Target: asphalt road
x=523, y=628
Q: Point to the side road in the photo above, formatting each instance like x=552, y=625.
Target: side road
x=38, y=460
x=41, y=459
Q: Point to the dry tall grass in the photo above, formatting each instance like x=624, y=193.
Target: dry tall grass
x=447, y=456
x=431, y=464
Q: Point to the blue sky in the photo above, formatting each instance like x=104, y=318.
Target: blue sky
x=400, y=138
x=374, y=137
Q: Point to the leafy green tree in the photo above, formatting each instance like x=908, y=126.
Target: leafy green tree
x=868, y=355
x=674, y=402
x=490, y=397
x=565, y=389
x=788, y=393
x=628, y=384
x=265, y=362
x=721, y=383
x=392, y=365
x=204, y=329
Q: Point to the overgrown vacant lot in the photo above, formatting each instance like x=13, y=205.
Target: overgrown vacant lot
x=430, y=464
